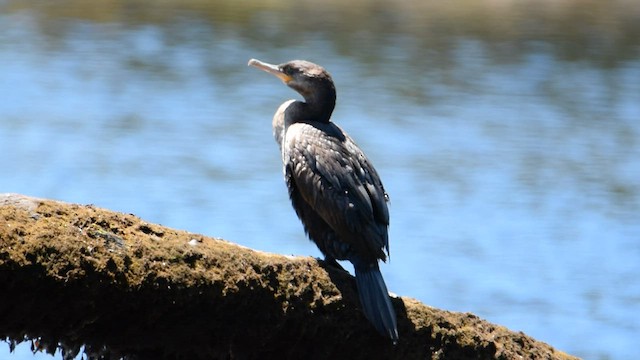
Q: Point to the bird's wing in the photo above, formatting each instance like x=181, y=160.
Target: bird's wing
x=338, y=182
x=318, y=230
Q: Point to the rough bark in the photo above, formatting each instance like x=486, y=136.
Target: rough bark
x=73, y=275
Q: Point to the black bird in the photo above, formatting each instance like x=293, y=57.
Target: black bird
x=334, y=189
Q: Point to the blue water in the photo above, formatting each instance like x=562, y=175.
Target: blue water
x=514, y=184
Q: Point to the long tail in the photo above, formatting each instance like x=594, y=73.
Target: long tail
x=375, y=300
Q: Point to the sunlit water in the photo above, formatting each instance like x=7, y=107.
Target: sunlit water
x=514, y=180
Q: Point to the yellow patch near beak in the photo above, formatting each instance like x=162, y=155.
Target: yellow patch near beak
x=284, y=77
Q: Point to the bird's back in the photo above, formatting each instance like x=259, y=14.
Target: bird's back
x=336, y=192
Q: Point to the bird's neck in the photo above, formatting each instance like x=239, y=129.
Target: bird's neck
x=317, y=106
x=321, y=105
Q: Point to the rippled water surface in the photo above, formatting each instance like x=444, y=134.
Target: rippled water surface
x=507, y=137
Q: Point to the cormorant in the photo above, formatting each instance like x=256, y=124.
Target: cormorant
x=334, y=189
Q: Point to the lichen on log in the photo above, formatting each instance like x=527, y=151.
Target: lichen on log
x=77, y=275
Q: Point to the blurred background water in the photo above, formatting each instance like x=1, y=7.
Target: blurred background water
x=507, y=134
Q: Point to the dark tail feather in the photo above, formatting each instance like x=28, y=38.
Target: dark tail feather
x=375, y=300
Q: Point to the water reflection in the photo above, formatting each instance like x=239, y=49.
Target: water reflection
x=506, y=133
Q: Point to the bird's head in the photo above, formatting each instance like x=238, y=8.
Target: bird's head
x=307, y=78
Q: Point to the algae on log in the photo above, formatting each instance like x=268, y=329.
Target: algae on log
x=73, y=275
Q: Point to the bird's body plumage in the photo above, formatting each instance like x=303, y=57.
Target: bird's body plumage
x=334, y=189
x=326, y=172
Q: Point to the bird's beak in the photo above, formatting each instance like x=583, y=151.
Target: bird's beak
x=271, y=69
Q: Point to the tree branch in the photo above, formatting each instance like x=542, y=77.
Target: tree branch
x=74, y=275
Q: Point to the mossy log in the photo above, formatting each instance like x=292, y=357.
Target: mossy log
x=77, y=275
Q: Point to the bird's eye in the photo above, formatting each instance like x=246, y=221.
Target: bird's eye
x=287, y=70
